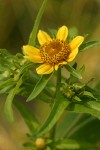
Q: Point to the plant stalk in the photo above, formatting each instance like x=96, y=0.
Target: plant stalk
x=53, y=131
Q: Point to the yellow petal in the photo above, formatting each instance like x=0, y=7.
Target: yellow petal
x=45, y=69
x=35, y=59
x=62, y=33
x=43, y=37
x=32, y=54
x=72, y=55
x=61, y=63
x=76, y=42
x=30, y=50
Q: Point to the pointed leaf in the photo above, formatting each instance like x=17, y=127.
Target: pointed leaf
x=25, y=67
x=39, y=86
x=89, y=94
x=93, y=104
x=76, y=98
x=87, y=45
x=58, y=108
x=27, y=115
x=72, y=144
x=82, y=69
x=83, y=109
x=6, y=89
x=67, y=144
x=74, y=72
x=8, y=103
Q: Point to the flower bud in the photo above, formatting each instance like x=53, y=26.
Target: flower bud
x=69, y=93
x=40, y=143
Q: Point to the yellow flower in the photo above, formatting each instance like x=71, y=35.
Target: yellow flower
x=53, y=52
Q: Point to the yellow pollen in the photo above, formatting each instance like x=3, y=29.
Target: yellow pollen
x=55, y=51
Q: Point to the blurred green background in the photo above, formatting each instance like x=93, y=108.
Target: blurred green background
x=16, y=22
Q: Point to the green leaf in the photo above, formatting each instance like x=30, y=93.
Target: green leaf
x=74, y=72
x=6, y=89
x=39, y=86
x=89, y=94
x=68, y=121
x=76, y=98
x=6, y=83
x=93, y=104
x=67, y=144
x=25, y=67
x=58, y=108
x=27, y=115
x=87, y=45
x=79, y=125
x=8, y=103
x=32, y=37
x=72, y=144
x=81, y=70
x=84, y=109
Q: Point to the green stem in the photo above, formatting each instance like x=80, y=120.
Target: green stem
x=53, y=131
x=58, y=81
x=36, y=24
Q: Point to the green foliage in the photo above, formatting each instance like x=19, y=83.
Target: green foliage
x=74, y=72
x=39, y=86
x=59, y=106
x=69, y=97
x=89, y=44
x=10, y=97
x=69, y=94
x=72, y=144
x=27, y=115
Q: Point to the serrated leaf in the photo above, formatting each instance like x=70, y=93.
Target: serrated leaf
x=74, y=72
x=87, y=45
x=39, y=86
x=8, y=103
x=58, y=108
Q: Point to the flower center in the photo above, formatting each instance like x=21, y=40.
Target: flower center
x=55, y=51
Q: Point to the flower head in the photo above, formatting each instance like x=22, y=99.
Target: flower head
x=53, y=52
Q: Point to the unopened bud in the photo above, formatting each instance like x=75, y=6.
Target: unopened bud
x=69, y=93
x=40, y=143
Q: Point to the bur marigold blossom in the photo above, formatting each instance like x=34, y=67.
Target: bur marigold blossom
x=53, y=52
